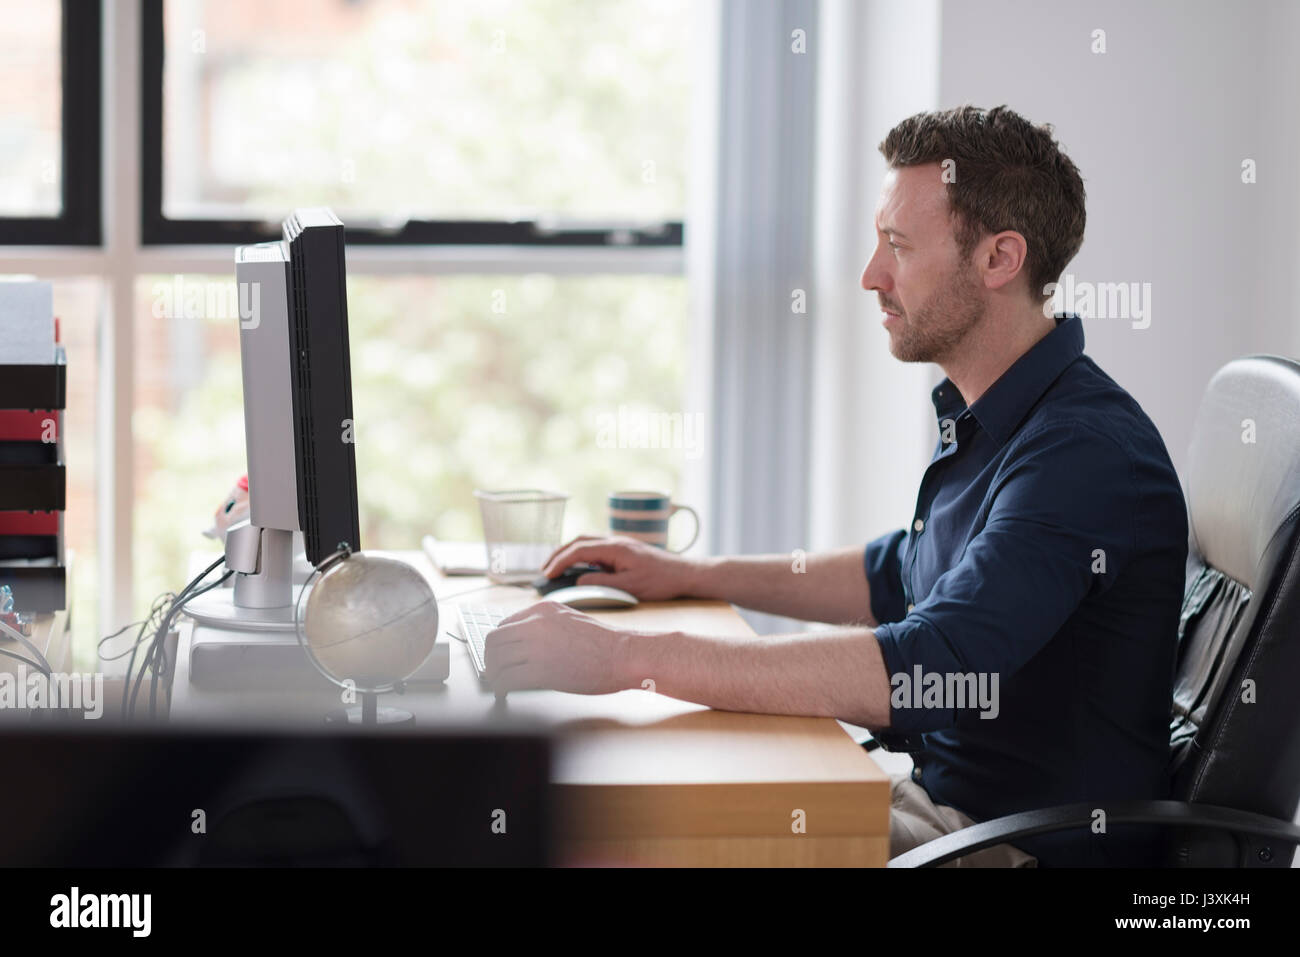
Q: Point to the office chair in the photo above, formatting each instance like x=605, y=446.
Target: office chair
x=1235, y=724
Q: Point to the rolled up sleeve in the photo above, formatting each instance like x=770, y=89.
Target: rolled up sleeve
x=883, y=562
x=1060, y=526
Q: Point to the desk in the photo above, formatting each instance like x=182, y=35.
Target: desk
x=50, y=634
x=641, y=778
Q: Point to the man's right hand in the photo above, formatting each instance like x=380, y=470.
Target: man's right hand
x=648, y=572
x=828, y=586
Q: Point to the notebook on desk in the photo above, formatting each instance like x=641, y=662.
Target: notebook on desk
x=456, y=558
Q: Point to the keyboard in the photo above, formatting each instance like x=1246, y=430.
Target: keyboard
x=475, y=623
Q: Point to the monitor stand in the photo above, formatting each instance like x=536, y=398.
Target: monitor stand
x=264, y=594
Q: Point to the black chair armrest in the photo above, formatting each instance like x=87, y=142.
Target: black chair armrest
x=894, y=742
x=1012, y=827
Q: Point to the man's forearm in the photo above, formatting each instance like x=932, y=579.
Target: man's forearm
x=828, y=586
x=839, y=674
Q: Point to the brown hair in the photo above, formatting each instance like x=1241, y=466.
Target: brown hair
x=1010, y=174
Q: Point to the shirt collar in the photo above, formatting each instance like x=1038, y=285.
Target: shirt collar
x=1005, y=403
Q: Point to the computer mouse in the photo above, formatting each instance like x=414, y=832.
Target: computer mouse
x=567, y=578
x=592, y=597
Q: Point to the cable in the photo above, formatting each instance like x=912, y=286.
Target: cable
x=128, y=710
x=153, y=622
x=25, y=642
x=139, y=637
x=155, y=655
x=179, y=605
x=26, y=661
x=160, y=634
x=160, y=604
x=150, y=624
x=107, y=638
x=160, y=662
x=155, y=645
x=155, y=610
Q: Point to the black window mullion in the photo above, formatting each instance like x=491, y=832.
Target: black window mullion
x=82, y=122
x=151, y=145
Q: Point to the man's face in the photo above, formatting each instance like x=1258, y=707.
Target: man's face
x=931, y=297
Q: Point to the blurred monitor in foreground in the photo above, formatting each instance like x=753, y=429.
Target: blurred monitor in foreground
x=113, y=798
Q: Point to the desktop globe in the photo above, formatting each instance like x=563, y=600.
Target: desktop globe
x=369, y=623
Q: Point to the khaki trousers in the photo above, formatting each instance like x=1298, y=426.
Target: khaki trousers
x=914, y=819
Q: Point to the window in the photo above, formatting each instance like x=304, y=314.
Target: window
x=458, y=383
x=464, y=145
x=49, y=98
x=512, y=121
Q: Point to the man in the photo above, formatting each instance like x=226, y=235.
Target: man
x=1021, y=630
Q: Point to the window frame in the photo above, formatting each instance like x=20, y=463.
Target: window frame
x=119, y=257
x=157, y=229
x=79, y=220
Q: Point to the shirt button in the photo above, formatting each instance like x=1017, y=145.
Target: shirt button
x=916, y=775
x=918, y=525
x=910, y=607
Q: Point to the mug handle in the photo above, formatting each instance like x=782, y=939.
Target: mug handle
x=696, y=534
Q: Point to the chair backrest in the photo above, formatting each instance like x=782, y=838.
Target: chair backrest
x=1235, y=728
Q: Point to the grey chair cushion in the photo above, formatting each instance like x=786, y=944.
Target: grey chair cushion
x=1243, y=467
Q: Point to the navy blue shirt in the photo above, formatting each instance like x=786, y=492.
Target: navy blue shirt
x=1048, y=549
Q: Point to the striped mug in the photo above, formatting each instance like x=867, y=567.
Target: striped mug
x=645, y=515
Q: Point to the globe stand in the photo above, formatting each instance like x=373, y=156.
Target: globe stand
x=369, y=712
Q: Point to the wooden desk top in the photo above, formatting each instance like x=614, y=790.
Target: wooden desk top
x=695, y=743
x=636, y=765
x=676, y=741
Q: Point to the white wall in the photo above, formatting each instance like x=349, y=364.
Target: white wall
x=1159, y=125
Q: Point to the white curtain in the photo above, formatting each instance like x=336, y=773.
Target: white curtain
x=762, y=264
x=818, y=437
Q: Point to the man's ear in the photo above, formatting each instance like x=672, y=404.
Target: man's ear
x=1001, y=258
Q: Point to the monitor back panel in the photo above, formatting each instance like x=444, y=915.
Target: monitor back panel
x=322, y=383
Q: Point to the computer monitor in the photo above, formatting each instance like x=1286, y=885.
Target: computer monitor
x=299, y=429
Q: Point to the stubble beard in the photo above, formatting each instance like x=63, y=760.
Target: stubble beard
x=934, y=331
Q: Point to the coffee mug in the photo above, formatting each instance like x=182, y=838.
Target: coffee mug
x=645, y=516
